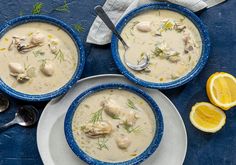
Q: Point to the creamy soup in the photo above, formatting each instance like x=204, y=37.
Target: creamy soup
x=171, y=41
x=113, y=125
x=37, y=58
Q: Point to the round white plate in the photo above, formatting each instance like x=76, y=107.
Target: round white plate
x=54, y=149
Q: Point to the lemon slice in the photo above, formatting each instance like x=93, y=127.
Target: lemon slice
x=221, y=90
x=207, y=117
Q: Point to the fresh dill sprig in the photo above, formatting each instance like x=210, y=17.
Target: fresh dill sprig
x=132, y=27
x=38, y=53
x=43, y=61
x=78, y=27
x=116, y=117
x=60, y=56
x=158, y=52
x=26, y=66
x=102, y=143
x=131, y=104
x=63, y=8
x=37, y=8
x=31, y=72
x=131, y=129
x=97, y=116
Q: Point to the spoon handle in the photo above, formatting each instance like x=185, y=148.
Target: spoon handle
x=7, y=125
x=102, y=14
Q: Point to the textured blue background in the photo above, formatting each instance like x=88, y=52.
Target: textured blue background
x=18, y=145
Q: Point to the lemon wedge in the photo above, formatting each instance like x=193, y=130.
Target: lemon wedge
x=207, y=117
x=221, y=90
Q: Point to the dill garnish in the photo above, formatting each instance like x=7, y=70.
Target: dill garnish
x=158, y=52
x=102, y=143
x=43, y=61
x=31, y=72
x=38, y=53
x=78, y=27
x=116, y=117
x=131, y=104
x=82, y=128
x=96, y=116
x=131, y=129
x=126, y=36
x=189, y=58
x=59, y=56
x=26, y=66
x=37, y=8
x=63, y=8
x=132, y=27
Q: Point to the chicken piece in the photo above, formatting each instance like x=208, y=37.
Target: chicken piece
x=20, y=73
x=123, y=142
x=16, y=68
x=112, y=109
x=37, y=38
x=130, y=118
x=98, y=129
x=47, y=68
x=144, y=26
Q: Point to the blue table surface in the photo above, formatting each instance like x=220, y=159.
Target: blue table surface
x=18, y=145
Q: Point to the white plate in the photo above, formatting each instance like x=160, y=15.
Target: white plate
x=54, y=149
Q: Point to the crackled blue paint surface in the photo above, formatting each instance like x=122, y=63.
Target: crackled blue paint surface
x=18, y=145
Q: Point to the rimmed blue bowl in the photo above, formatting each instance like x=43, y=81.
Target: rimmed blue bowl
x=137, y=160
x=74, y=36
x=163, y=6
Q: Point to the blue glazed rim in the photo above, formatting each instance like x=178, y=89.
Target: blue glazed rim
x=172, y=7
x=143, y=156
x=74, y=36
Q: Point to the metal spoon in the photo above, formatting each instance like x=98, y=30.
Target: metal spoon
x=4, y=102
x=145, y=60
x=26, y=116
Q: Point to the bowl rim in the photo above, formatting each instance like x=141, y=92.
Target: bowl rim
x=136, y=160
x=172, y=7
x=8, y=25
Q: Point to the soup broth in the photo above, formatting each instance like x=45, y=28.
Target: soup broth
x=113, y=125
x=37, y=58
x=171, y=41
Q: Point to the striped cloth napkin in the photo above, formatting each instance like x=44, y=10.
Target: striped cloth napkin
x=99, y=34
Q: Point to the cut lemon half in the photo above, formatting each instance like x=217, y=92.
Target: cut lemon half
x=221, y=90
x=207, y=117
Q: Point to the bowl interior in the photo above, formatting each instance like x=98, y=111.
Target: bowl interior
x=84, y=156
x=172, y=7
x=73, y=35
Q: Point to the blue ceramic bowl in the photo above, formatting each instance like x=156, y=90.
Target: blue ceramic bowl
x=172, y=7
x=137, y=160
x=74, y=36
